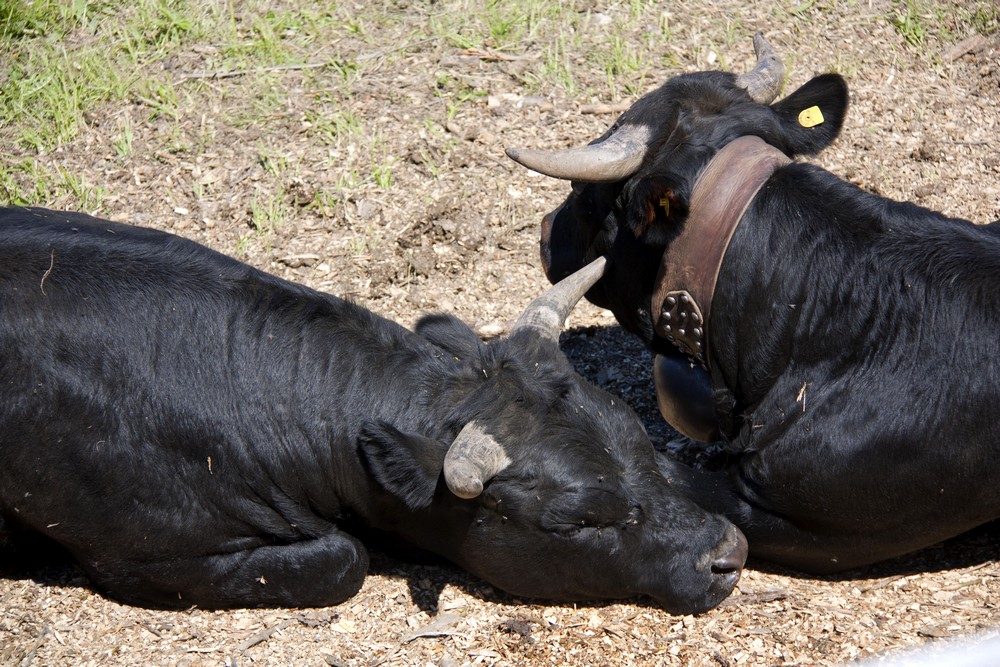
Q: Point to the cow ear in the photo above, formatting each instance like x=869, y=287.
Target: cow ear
x=813, y=115
x=655, y=206
x=450, y=334
x=406, y=465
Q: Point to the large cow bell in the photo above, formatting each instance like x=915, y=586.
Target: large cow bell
x=684, y=396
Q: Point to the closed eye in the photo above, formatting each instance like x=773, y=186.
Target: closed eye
x=569, y=512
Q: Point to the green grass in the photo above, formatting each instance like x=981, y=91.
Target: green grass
x=90, y=197
x=143, y=74
x=381, y=165
x=125, y=141
x=909, y=22
x=623, y=66
x=20, y=18
x=268, y=212
x=23, y=182
x=918, y=21
x=333, y=123
x=26, y=183
x=54, y=90
x=66, y=58
x=985, y=18
x=557, y=66
x=273, y=161
x=60, y=64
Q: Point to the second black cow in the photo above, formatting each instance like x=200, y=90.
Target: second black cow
x=843, y=346
x=196, y=432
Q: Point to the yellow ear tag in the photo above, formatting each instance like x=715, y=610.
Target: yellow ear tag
x=811, y=117
x=665, y=203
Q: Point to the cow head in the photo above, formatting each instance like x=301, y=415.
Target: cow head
x=631, y=187
x=545, y=485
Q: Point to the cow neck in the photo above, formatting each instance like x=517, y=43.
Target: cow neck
x=682, y=297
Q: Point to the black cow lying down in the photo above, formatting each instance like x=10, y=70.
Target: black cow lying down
x=844, y=347
x=196, y=432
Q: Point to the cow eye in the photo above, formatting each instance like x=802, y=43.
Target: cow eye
x=572, y=511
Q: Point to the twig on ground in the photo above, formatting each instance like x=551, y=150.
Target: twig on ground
x=596, y=109
x=264, y=635
x=229, y=74
x=756, y=598
x=30, y=655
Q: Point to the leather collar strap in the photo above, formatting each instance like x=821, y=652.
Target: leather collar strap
x=682, y=298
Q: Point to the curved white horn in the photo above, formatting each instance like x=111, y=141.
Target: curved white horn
x=614, y=159
x=548, y=312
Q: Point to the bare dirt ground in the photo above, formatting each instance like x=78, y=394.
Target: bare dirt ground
x=416, y=209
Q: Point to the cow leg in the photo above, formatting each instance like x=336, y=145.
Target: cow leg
x=310, y=573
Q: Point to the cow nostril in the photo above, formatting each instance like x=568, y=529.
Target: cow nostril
x=734, y=548
x=727, y=565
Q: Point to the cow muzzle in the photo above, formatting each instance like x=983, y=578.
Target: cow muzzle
x=729, y=556
x=545, y=241
x=723, y=566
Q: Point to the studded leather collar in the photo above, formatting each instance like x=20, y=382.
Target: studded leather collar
x=682, y=298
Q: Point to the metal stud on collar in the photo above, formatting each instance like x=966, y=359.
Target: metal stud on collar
x=682, y=323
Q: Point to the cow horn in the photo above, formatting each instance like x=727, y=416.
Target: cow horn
x=472, y=460
x=548, y=312
x=614, y=159
x=763, y=82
